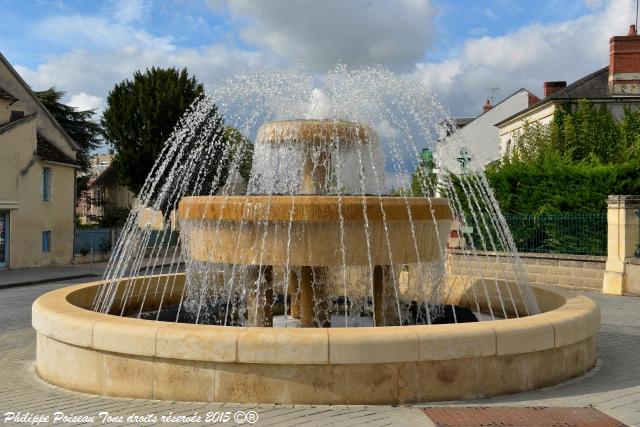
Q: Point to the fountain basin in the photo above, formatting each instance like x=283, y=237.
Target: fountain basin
x=306, y=231
x=109, y=355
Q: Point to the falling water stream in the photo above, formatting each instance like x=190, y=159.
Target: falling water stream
x=319, y=144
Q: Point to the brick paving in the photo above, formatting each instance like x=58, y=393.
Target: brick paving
x=519, y=416
x=613, y=387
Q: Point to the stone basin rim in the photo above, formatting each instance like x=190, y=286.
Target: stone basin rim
x=53, y=313
x=108, y=355
x=325, y=208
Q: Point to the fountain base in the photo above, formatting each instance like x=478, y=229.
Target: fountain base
x=102, y=354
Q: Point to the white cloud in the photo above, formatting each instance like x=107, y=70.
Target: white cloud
x=490, y=14
x=127, y=11
x=593, y=3
x=319, y=34
x=526, y=58
x=103, y=49
x=97, y=72
x=96, y=32
x=83, y=101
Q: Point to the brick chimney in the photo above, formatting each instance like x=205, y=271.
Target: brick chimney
x=624, y=64
x=486, y=106
x=552, y=87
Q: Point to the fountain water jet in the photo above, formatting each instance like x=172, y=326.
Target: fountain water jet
x=318, y=237
x=302, y=232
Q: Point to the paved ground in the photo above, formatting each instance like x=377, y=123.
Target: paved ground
x=613, y=387
x=35, y=275
x=41, y=275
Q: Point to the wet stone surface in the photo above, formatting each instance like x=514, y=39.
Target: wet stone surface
x=221, y=314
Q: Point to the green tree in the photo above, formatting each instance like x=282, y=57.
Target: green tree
x=630, y=133
x=534, y=139
x=77, y=123
x=572, y=164
x=141, y=114
x=586, y=131
x=240, y=152
x=423, y=180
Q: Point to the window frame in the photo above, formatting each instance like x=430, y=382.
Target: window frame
x=47, y=184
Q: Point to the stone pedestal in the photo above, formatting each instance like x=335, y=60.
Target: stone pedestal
x=260, y=298
x=623, y=239
x=384, y=297
x=294, y=294
x=313, y=299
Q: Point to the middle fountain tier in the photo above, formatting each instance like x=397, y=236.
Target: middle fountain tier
x=316, y=213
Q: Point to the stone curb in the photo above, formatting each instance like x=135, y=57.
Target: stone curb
x=61, y=278
x=109, y=355
x=47, y=280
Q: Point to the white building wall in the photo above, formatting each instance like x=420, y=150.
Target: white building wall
x=509, y=132
x=480, y=137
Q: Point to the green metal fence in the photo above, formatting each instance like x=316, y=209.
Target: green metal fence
x=570, y=233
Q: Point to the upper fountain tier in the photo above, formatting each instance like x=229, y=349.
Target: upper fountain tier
x=307, y=224
x=315, y=132
x=317, y=157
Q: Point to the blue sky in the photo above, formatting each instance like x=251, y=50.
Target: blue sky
x=457, y=48
x=460, y=20
x=191, y=23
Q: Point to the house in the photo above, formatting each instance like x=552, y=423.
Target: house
x=91, y=201
x=474, y=140
x=37, y=179
x=100, y=162
x=108, y=194
x=616, y=86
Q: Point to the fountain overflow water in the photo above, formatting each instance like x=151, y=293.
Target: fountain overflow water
x=327, y=232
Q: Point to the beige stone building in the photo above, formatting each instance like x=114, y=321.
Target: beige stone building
x=102, y=191
x=37, y=179
x=108, y=193
x=616, y=86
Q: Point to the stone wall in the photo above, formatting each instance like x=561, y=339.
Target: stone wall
x=633, y=276
x=567, y=271
x=623, y=231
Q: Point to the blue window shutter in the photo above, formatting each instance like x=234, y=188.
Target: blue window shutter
x=46, y=241
x=46, y=184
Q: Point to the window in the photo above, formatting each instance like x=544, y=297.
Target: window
x=46, y=241
x=4, y=239
x=46, y=184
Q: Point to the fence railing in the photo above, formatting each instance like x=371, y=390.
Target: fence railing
x=102, y=240
x=569, y=233
x=95, y=240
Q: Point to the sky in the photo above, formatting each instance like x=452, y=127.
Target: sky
x=457, y=48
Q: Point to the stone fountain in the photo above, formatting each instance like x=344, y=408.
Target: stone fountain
x=304, y=232
x=318, y=244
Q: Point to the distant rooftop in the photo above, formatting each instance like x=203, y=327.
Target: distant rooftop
x=106, y=179
x=593, y=86
x=6, y=95
x=47, y=151
x=463, y=121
